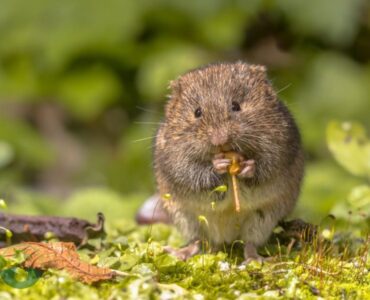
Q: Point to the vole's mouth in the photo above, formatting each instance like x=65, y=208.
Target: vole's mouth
x=226, y=147
x=222, y=148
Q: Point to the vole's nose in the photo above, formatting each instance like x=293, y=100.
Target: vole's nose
x=218, y=137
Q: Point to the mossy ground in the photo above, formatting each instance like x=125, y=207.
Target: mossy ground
x=336, y=267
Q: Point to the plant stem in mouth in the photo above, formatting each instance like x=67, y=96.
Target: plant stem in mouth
x=234, y=169
x=236, y=193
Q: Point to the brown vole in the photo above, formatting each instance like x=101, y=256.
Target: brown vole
x=212, y=110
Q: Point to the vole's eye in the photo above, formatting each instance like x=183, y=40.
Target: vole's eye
x=235, y=106
x=198, y=112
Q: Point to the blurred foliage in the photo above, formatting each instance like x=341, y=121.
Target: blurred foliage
x=336, y=25
x=351, y=147
x=83, y=83
x=6, y=154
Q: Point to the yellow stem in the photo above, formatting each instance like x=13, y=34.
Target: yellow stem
x=234, y=170
x=236, y=193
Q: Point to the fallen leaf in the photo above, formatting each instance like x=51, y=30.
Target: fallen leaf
x=60, y=256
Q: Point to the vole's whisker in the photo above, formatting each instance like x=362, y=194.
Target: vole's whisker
x=150, y=147
x=267, y=129
x=284, y=88
x=291, y=104
x=238, y=147
x=150, y=123
x=148, y=110
x=248, y=136
x=143, y=139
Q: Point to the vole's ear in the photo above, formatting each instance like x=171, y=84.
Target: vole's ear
x=175, y=91
x=175, y=87
x=259, y=71
x=259, y=75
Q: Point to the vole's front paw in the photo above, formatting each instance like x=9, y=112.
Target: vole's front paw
x=248, y=168
x=220, y=163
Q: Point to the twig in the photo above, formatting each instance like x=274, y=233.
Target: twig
x=34, y=228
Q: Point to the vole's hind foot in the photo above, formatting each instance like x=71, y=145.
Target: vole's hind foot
x=257, y=258
x=248, y=168
x=185, y=252
x=220, y=163
x=250, y=254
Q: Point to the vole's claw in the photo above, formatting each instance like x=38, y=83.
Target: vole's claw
x=221, y=164
x=248, y=168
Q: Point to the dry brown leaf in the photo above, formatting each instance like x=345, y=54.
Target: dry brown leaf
x=60, y=256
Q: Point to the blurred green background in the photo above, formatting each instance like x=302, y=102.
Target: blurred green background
x=82, y=84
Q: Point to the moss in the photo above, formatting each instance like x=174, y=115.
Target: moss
x=318, y=269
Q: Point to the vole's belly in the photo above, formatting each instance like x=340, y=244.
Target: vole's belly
x=224, y=227
x=219, y=221
x=197, y=217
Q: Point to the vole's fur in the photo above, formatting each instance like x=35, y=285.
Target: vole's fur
x=262, y=131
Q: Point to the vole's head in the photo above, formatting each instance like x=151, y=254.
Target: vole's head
x=224, y=107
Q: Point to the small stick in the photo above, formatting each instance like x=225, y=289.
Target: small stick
x=34, y=228
x=234, y=169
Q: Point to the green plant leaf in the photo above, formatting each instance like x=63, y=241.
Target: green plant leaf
x=6, y=154
x=359, y=198
x=166, y=263
x=220, y=189
x=334, y=87
x=350, y=146
x=129, y=260
x=2, y=263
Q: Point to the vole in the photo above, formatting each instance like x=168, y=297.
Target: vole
x=211, y=111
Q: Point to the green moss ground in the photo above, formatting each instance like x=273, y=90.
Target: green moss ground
x=333, y=268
